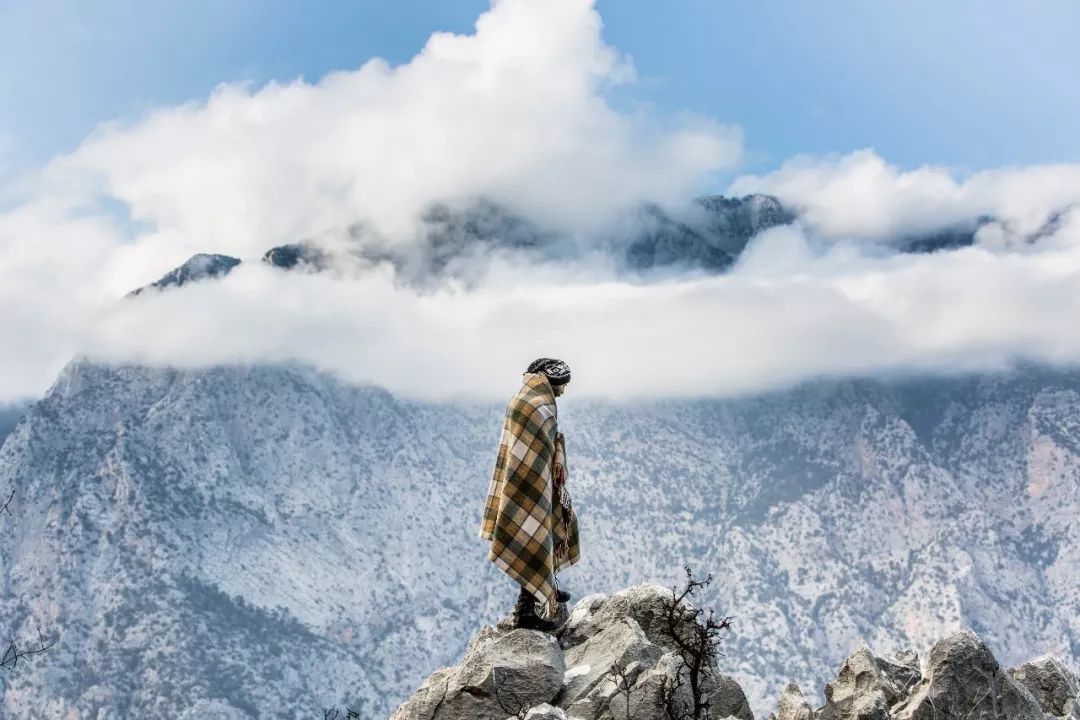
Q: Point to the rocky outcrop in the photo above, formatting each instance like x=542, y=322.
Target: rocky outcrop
x=792, y=705
x=1052, y=685
x=501, y=673
x=958, y=679
x=613, y=659
x=610, y=659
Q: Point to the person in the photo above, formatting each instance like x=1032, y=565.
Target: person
x=528, y=515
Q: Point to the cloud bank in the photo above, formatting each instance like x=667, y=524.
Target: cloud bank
x=786, y=314
x=517, y=113
x=860, y=195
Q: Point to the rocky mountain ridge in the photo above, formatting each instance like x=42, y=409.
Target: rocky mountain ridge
x=611, y=659
x=244, y=538
x=708, y=235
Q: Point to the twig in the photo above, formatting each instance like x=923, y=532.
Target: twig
x=13, y=653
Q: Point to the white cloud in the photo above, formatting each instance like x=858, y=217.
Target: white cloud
x=835, y=313
x=861, y=195
x=516, y=113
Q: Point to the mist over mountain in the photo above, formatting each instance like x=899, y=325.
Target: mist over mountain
x=709, y=235
x=268, y=540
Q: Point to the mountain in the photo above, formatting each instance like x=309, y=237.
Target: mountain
x=241, y=542
x=9, y=418
x=709, y=234
x=202, y=266
x=295, y=255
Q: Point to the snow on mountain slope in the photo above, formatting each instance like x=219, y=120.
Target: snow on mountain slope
x=253, y=542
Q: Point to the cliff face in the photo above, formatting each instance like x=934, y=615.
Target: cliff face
x=269, y=537
x=613, y=657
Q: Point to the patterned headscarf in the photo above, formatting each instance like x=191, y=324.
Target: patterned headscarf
x=558, y=372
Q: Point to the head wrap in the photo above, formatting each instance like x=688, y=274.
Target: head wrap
x=558, y=372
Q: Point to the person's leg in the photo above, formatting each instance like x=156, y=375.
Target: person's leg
x=525, y=613
x=561, y=595
x=525, y=604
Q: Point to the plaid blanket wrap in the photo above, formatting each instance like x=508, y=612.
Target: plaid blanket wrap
x=528, y=516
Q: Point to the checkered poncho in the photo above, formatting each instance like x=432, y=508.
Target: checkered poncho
x=527, y=517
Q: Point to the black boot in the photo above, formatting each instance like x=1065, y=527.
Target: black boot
x=562, y=596
x=526, y=617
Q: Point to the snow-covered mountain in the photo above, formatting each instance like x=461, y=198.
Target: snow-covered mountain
x=202, y=266
x=262, y=541
x=709, y=234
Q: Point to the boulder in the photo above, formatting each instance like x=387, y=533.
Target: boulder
x=792, y=705
x=868, y=685
x=544, y=712
x=726, y=697
x=963, y=680
x=590, y=677
x=614, y=659
x=613, y=656
x=581, y=623
x=645, y=604
x=501, y=674
x=645, y=697
x=1054, y=687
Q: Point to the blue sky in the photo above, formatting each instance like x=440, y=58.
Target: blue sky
x=915, y=119
x=970, y=85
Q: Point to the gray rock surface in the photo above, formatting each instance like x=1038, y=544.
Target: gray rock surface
x=1054, y=687
x=645, y=604
x=589, y=665
x=612, y=659
x=962, y=679
x=545, y=712
x=502, y=673
x=792, y=705
x=726, y=698
x=868, y=685
x=603, y=664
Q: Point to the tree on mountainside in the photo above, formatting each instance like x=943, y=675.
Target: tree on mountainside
x=695, y=636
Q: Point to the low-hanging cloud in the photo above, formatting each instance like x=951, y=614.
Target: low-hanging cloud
x=515, y=113
x=787, y=313
x=861, y=195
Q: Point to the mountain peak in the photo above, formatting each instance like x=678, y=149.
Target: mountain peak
x=200, y=266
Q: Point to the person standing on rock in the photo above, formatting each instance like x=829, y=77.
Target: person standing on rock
x=528, y=516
